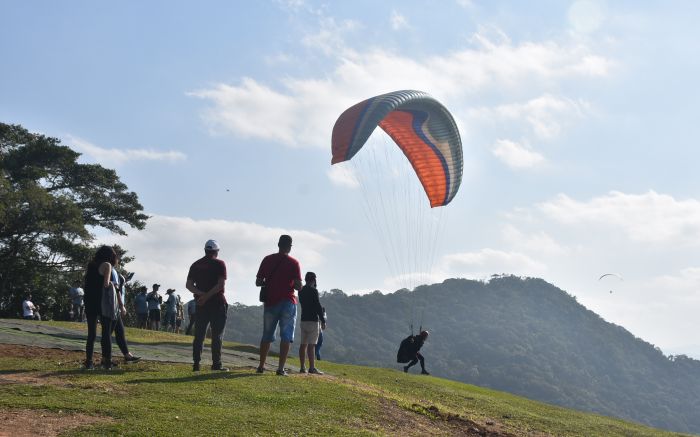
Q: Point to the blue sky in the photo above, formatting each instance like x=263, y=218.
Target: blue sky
x=578, y=121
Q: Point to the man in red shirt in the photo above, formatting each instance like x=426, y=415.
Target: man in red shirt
x=206, y=280
x=281, y=275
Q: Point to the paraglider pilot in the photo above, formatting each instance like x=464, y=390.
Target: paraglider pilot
x=410, y=351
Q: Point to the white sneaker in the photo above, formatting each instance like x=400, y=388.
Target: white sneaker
x=315, y=371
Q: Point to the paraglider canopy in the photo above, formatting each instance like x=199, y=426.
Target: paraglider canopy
x=422, y=128
x=611, y=275
x=616, y=275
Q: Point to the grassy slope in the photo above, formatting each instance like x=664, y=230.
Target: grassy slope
x=156, y=398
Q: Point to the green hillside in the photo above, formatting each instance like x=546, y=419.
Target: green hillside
x=520, y=335
x=154, y=398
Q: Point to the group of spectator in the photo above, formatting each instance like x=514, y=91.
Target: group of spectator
x=148, y=308
x=279, y=276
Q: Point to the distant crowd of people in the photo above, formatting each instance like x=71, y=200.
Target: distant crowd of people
x=148, y=307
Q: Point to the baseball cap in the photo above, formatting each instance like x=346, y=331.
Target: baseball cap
x=170, y=290
x=285, y=240
x=156, y=285
x=211, y=245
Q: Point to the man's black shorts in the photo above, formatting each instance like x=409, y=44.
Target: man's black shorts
x=142, y=318
x=154, y=315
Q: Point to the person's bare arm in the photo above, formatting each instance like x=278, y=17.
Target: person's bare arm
x=106, y=270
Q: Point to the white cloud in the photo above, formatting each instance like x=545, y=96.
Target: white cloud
x=489, y=261
x=329, y=38
x=398, y=21
x=304, y=115
x=646, y=218
x=535, y=242
x=465, y=3
x=343, y=176
x=684, y=286
x=167, y=247
x=516, y=155
x=586, y=16
x=545, y=115
x=121, y=156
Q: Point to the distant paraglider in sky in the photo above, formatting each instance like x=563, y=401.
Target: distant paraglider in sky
x=611, y=275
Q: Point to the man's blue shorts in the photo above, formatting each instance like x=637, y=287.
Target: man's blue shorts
x=284, y=313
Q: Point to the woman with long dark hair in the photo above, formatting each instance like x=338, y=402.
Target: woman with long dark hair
x=97, y=277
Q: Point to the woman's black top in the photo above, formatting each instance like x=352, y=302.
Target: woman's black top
x=311, y=309
x=93, y=289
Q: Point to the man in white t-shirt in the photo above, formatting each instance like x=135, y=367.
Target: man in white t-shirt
x=75, y=293
x=29, y=310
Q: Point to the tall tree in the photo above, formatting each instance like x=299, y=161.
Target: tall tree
x=49, y=206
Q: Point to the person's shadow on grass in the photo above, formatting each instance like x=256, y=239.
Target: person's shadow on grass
x=192, y=378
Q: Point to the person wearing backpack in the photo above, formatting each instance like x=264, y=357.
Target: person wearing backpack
x=410, y=351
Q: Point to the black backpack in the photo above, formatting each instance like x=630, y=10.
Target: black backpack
x=406, y=350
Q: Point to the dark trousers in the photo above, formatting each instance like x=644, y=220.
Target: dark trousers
x=417, y=358
x=120, y=336
x=319, y=343
x=108, y=326
x=193, y=317
x=217, y=318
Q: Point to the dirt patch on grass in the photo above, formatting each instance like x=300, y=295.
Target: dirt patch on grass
x=22, y=423
x=59, y=355
x=422, y=419
x=33, y=378
x=70, y=360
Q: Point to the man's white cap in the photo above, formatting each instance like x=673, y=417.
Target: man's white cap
x=211, y=245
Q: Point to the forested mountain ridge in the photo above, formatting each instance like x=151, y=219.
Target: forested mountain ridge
x=520, y=335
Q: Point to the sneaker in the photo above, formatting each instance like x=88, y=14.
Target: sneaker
x=282, y=373
x=315, y=371
x=302, y=370
x=108, y=365
x=260, y=370
x=423, y=372
x=405, y=369
x=131, y=358
x=219, y=368
x=195, y=367
x=88, y=365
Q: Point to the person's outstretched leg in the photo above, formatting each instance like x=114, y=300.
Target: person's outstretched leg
x=422, y=364
x=413, y=362
x=218, y=324
x=106, y=341
x=200, y=330
x=264, y=349
x=284, y=351
x=287, y=321
x=90, y=343
x=120, y=337
x=302, y=357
